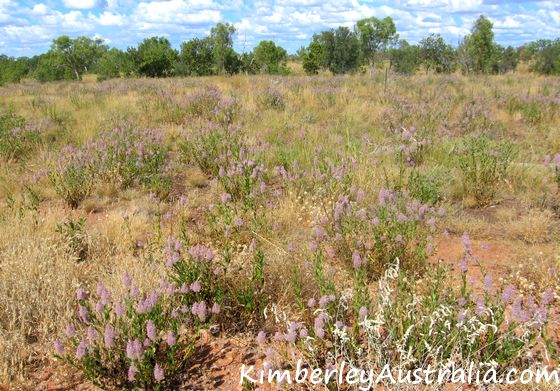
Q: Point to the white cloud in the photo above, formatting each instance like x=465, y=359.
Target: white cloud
x=81, y=4
x=71, y=21
x=193, y=12
x=40, y=9
x=110, y=19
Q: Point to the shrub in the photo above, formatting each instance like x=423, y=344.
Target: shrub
x=73, y=232
x=72, y=176
x=270, y=98
x=127, y=156
x=16, y=138
x=142, y=340
x=397, y=226
x=413, y=323
x=484, y=164
x=124, y=157
x=224, y=153
x=424, y=188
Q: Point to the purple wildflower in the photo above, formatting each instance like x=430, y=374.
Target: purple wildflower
x=109, y=336
x=151, y=330
x=158, y=373
x=81, y=350
x=70, y=331
x=132, y=372
x=261, y=337
x=171, y=339
x=357, y=260
x=58, y=347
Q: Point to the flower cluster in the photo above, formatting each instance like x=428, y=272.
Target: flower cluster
x=16, y=137
x=123, y=156
x=415, y=322
x=142, y=339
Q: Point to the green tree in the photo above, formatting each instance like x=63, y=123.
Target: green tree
x=509, y=59
x=114, y=63
x=547, y=58
x=154, y=57
x=49, y=67
x=405, y=58
x=436, y=54
x=12, y=70
x=375, y=35
x=479, y=47
x=196, y=58
x=79, y=54
x=270, y=58
x=311, y=58
x=340, y=50
x=225, y=58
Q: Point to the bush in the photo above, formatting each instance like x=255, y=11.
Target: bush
x=413, y=323
x=142, y=340
x=16, y=138
x=271, y=98
x=72, y=176
x=484, y=164
x=224, y=153
x=130, y=156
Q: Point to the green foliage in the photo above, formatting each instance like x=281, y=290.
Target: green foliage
x=547, y=57
x=154, y=57
x=77, y=55
x=12, y=70
x=225, y=57
x=270, y=58
x=424, y=188
x=49, y=67
x=375, y=35
x=114, y=63
x=508, y=60
x=484, y=164
x=311, y=58
x=436, y=54
x=16, y=138
x=405, y=58
x=479, y=52
x=340, y=50
x=196, y=58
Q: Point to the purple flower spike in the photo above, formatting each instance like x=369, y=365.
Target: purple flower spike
x=58, y=347
x=158, y=373
x=132, y=372
x=151, y=330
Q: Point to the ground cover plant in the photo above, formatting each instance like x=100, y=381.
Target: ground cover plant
x=411, y=220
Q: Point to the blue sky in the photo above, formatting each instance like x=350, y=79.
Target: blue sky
x=28, y=27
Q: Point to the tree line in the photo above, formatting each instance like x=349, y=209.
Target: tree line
x=372, y=42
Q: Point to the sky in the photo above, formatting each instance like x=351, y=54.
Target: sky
x=28, y=27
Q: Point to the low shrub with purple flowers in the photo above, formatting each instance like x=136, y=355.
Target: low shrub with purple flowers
x=124, y=157
x=484, y=164
x=396, y=226
x=415, y=322
x=143, y=339
x=16, y=138
x=72, y=176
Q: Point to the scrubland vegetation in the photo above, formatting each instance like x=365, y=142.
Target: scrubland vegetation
x=407, y=221
x=366, y=215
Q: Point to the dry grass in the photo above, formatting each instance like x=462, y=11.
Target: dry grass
x=38, y=277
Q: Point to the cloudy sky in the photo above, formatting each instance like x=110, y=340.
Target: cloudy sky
x=27, y=27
